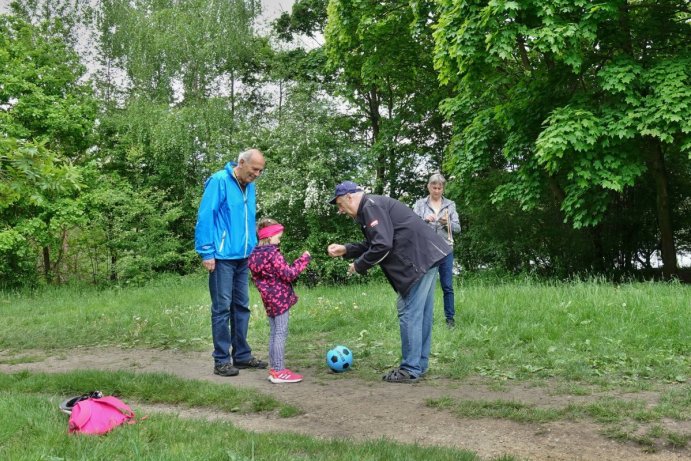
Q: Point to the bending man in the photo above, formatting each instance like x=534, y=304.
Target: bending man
x=408, y=252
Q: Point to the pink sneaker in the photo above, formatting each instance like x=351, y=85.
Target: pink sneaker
x=284, y=376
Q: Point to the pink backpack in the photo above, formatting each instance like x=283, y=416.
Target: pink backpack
x=99, y=415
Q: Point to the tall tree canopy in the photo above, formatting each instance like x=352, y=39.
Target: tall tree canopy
x=382, y=52
x=178, y=82
x=578, y=99
x=178, y=49
x=562, y=126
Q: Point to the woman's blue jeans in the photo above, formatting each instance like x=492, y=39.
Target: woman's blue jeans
x=446, y=280
x=415, y=317
x=230, y=312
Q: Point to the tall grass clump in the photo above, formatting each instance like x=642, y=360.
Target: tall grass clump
x=577, y=331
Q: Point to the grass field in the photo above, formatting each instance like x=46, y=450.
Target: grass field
x=33, y=430
x=628, y=337
x=581, y=332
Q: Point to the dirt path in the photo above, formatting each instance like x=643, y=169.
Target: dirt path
x=373, y=410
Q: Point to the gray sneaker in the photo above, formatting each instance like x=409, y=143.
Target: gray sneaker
x=225, y=369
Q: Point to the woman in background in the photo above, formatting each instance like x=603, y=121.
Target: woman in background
x=440, y=214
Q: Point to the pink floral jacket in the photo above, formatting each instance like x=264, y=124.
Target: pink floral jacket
x=273, y=278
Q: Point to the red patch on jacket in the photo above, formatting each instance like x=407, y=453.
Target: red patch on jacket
x=374, y=223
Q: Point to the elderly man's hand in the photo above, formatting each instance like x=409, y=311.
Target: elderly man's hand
x=335, y=250
x=209, y=264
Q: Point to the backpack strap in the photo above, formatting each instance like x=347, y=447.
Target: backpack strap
x=118, y=404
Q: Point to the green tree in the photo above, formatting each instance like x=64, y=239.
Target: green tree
x=382, y=54
x=64, y=20
x=179, y=84
x=46, y=120
x=307, y=17
x=176, y=50
x=579, y=100
x=130, y=235
x=307, y=153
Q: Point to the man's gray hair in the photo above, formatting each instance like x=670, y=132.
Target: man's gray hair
x=436, y=178
x=246, y=155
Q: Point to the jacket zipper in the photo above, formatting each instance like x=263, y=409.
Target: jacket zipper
x=440, y=250
x=223, y=241
x=383, y=257
x=244, y=197
x=247, y=236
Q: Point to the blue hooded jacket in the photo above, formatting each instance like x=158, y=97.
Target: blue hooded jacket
x=226, y=227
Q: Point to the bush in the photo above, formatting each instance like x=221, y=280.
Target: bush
x=17, y=263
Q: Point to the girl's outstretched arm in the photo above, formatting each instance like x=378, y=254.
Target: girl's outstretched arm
x=289, y=273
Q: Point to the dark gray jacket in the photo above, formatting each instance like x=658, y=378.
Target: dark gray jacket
x=396, y=239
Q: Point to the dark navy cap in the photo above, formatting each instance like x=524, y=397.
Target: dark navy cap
x=346, y=187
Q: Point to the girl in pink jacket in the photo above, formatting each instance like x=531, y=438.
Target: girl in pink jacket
x=273, y=278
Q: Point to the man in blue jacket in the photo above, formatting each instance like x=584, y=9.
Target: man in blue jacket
x=225, y=236
x=408, y=252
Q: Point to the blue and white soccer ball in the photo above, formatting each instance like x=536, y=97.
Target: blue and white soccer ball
x=339, y=359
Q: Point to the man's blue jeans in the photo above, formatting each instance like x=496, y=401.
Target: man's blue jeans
x=415, y=316
x=446, y=280
x=230, y=313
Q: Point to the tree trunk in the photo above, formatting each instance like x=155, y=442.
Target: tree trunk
x=232, y=98
x=113, y=265
x=656, y=164
x=556, y=189
x=523, y=53
x=373, y=102
x=280, y=100
x=46, y=264
x=597, y=262
x=625, y=28
x=64, y=248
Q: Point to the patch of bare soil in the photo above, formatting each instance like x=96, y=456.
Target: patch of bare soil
x=378, y=410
